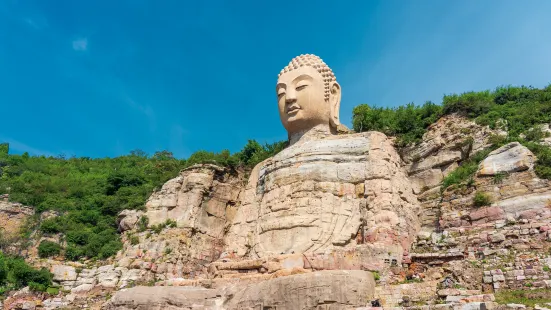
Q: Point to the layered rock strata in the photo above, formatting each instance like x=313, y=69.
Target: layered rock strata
x=336, y=194
x=187, y=220
x=317, y=290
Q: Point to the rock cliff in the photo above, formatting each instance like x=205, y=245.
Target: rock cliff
x=342, y=223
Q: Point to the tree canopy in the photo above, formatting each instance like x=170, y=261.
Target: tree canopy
x=88, y=193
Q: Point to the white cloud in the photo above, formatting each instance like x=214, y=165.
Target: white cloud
x=80, y=44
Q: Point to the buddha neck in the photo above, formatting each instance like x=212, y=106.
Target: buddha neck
x=315, y=133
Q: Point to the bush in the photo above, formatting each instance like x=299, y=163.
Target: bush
x=89, y=193
x=48, y=249
x=142, y=223
x=73, y=253
x=470, y=104
x=481, y=199
x=408, y=122
x=464, y=174
x=134, y=239
x=15, y=273
x=33, y=286
x=52, y=291
x=51, y=226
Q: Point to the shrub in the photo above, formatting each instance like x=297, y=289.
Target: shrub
x=110, y=249
x=52, y=291
x=73, y=253
x=408, y=122
x=33, y=286
x=464, y=174
x=171, y=223
x=142, y=223
x=481, y=199
x=15, y=273
x=91, y=192
x=470, y=104
x=498, y=178
x=535, y=134
x=134, y=239
x=51, y=226
x=48, y=249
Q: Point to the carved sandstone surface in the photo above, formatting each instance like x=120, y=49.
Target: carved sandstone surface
x=334, y=289
x=509, y=158
x=322, y=195
x=326, y=202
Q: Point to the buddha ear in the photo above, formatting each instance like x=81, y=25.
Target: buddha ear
x=334, y=103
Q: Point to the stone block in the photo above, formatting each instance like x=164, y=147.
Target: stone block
x=64, y=273
x=498, y=277
x=512, y=157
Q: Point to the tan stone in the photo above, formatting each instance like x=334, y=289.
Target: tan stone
x=163, y=298
x=308, y=95
x=316, y=194
x=426, y=179
x=309, y=197
x=509, y=158
x=308, y=291
x=64, y=273
x=127, y=219
x=12, y=217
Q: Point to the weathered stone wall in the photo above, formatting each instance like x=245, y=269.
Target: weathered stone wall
x=202, y=202
x=504, y=244
x=406, y=294
x=315, y=290
x=12, y=216
x=447, y=142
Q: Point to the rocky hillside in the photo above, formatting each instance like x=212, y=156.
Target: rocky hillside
x=478, y=167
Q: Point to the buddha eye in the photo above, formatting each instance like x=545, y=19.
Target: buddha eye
x=301, y=87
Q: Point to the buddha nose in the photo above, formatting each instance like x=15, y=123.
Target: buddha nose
x=291, y=96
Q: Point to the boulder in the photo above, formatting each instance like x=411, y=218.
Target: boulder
x=108, y=276
x=309, y=291
x=426, y=179
x=82, y=289
x=64, y=273
x=127, y=219
x=163, y=297
x=512, y=157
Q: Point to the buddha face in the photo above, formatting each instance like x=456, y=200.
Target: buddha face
x=303, y=102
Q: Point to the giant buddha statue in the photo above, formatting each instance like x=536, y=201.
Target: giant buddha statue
x=328, y=191
x=310, y=224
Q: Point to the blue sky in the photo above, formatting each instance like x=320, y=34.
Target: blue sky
x=100, y=78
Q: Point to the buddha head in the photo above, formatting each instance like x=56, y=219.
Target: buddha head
x=308, y=95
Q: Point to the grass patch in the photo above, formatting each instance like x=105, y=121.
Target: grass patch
x=526, y=297
x=464, y=174
x=482, y=199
